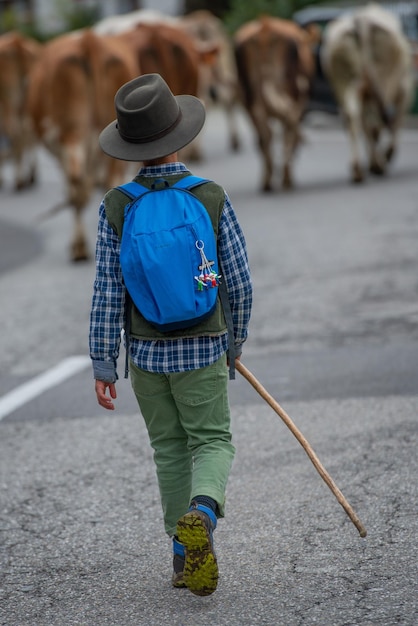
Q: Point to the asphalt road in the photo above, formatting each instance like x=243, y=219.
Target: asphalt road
x=333, y=338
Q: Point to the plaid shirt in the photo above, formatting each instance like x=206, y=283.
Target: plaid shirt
x=178, y=355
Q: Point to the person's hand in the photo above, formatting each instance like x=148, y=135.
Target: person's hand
x=104, y=400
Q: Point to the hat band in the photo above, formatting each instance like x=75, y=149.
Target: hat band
x=153, y=137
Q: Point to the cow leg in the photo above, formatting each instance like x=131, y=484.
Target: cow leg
x=265, y=138
x=25, y=170
x=231, y=120
x=401, y=106
x=79, y=247
x=116, y=173
x=4, y=151
x=24, y=145
x=78, y=162
x=192, y=152
x=377, y=161
x=351, y=107
x=80, y=191
x=291, y=139
x=288, y=149
x=372, y=127
x=264, y=135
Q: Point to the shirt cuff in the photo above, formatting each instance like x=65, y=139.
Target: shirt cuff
x=105, y=371
x=238, y=349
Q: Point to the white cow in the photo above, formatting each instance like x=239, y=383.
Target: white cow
x=368, y=62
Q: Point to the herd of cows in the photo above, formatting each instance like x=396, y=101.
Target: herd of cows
x=61, y=94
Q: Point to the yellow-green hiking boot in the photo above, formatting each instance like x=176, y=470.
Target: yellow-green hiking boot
x=194, y=532
x=178, y=565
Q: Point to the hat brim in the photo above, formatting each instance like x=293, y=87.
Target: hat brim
x=189, y=126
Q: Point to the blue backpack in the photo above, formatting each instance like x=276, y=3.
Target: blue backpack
x=168, y=254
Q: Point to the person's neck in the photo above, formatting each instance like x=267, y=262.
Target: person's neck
x=170, y=158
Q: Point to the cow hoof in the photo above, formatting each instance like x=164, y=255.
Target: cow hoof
x=192, y=154
x=79, y=254
x=196, y=158
x=389, y=154
x=287, y=185
x=287, y=182
x=377, y=169
x=33, y=180
x=356, y=175
x=235, y=144
x=25, y=184
x=80, y=258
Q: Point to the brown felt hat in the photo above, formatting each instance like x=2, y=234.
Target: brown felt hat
x=151, y=122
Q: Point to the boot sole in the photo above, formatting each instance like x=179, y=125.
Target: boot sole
x=200, y=573
x=177, y=581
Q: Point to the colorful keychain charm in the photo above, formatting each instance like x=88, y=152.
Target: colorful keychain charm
x=207, y=277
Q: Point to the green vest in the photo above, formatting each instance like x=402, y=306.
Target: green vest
x=213, y=197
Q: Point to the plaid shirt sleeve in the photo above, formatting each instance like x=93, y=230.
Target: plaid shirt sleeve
x=235, y=267
x=108, y=303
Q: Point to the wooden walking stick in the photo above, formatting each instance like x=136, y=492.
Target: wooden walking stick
x=305, y=444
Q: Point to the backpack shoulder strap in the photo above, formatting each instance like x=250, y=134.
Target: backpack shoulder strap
x=132, y=189
x=189, y=182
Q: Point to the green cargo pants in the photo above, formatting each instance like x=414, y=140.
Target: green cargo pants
x=188, y=421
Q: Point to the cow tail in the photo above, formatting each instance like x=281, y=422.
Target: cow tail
x=92, y=45
x=387, y=112
x=292, y=68
x=244, y=82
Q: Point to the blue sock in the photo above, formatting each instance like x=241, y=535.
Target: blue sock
x=207, y=501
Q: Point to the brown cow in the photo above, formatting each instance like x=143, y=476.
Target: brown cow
x=166, y=50
x=219, y=79
x=18, y=53
x=164, y=46
x=160, y=45
x=368, y=61
x=275, y=68
x=71, y=99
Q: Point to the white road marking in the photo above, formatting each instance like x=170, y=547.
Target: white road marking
x=56, y=375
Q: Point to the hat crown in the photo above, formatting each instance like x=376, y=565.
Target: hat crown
x=146, y=109
x=150, y=121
